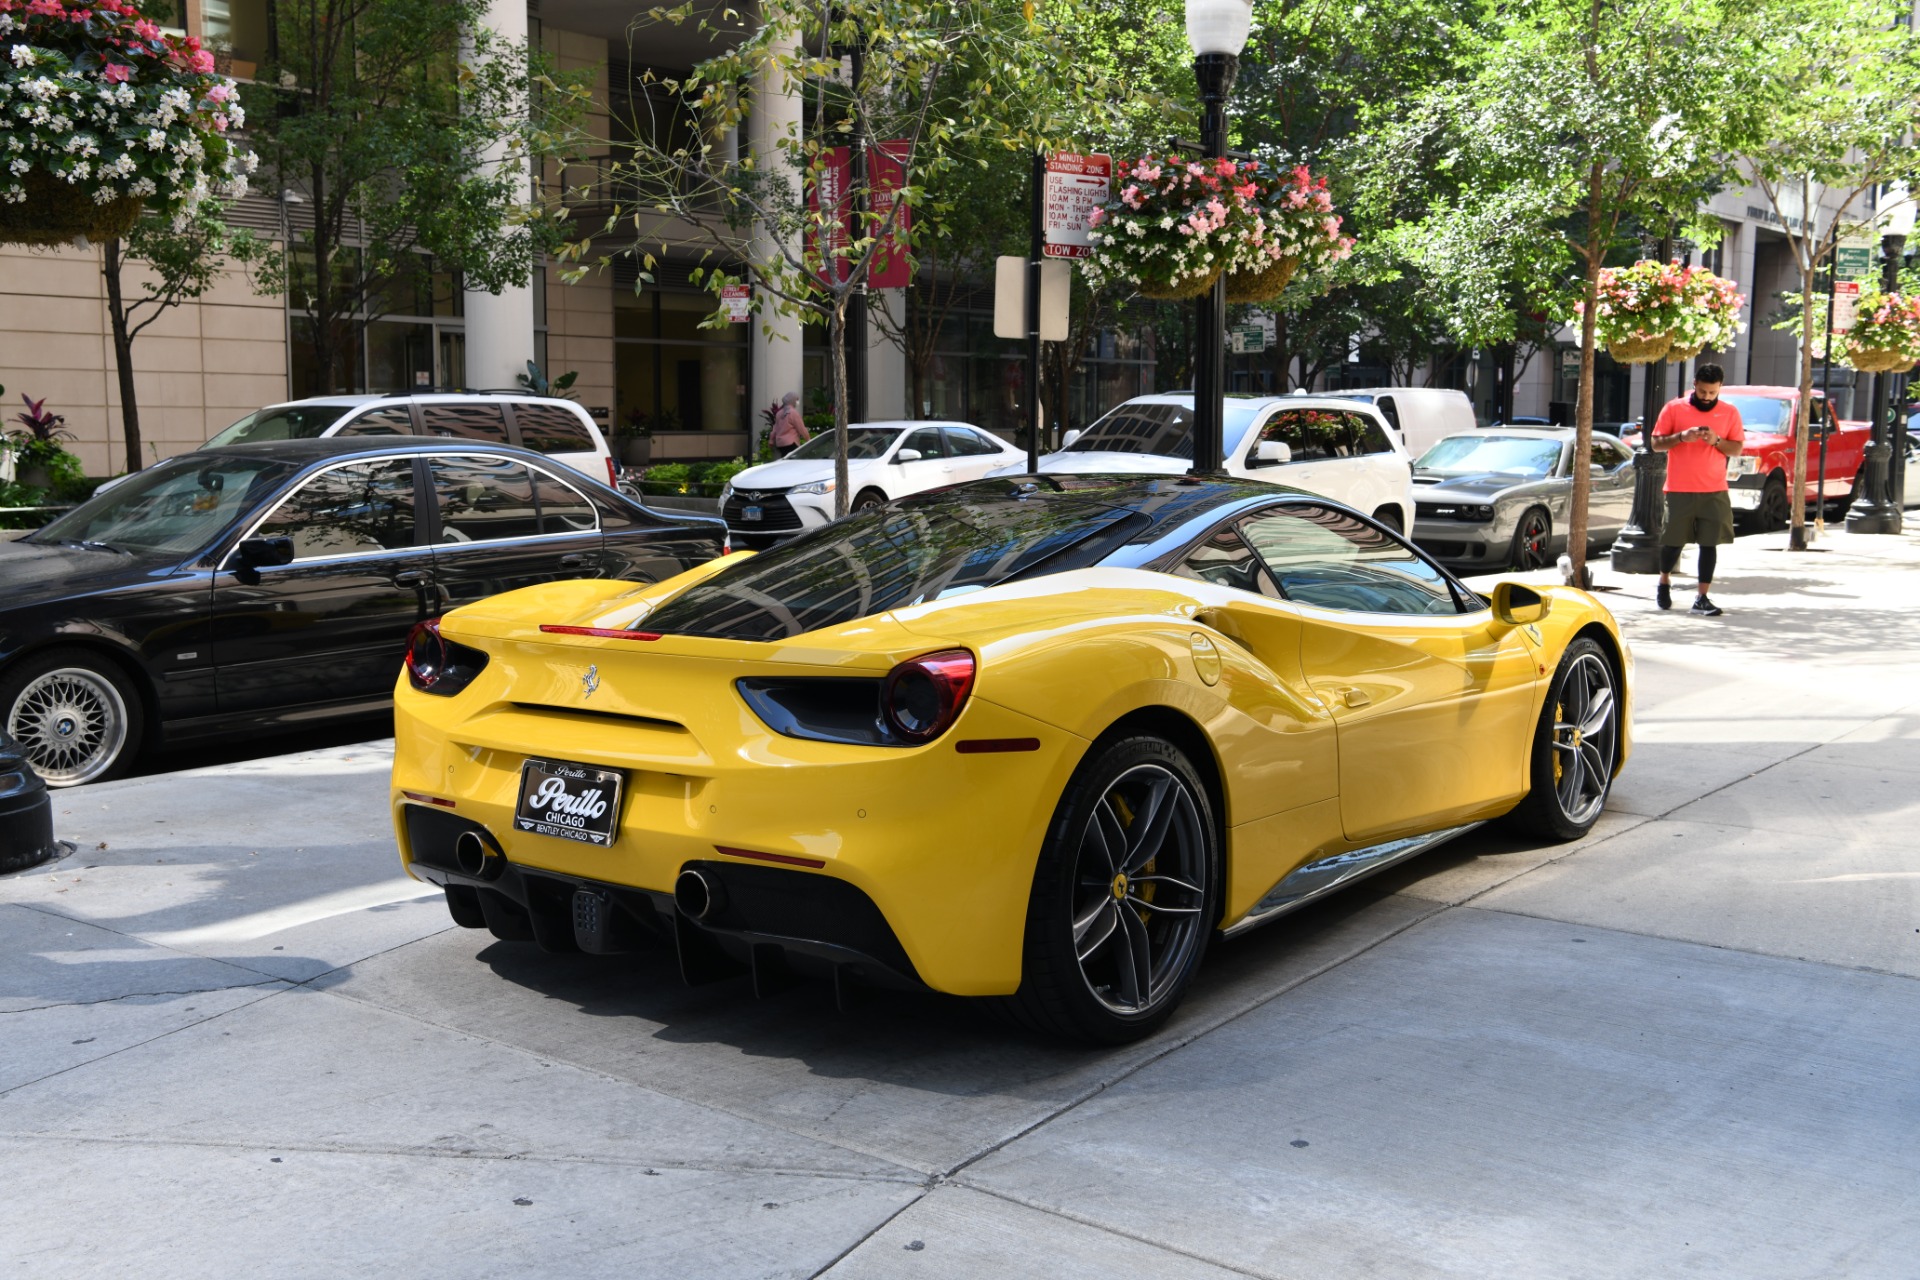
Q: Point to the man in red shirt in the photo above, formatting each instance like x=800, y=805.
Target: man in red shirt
x=1698, y=435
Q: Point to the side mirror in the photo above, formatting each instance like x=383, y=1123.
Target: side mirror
x=1272, y=452
x=264, y=553
x=907, y=455
x=1517, y=604
x=1066, y=441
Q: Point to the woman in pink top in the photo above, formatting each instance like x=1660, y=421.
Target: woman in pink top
x=789, y=429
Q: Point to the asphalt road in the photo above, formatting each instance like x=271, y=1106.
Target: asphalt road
x=235, y=1042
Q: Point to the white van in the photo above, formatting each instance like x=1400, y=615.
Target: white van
x=558, y=428
x=1423, y=416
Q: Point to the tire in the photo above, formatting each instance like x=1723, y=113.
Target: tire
x=76, y=715
x=1532, y=540
x=1390, y=517
x=1572, y=773
x=1106, y=961
x=1775, y=508
x=867, y=499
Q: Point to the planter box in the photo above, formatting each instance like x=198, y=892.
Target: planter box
x=634, y=451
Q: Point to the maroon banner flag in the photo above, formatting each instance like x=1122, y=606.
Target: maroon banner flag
x=831, y=188
x=886, y=174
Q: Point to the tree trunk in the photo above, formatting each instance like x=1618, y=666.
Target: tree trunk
x=1797, y=465
x=111, y=261
x=837, y=362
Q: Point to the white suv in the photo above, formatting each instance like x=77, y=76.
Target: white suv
x=560, y=429
x=1337, y=448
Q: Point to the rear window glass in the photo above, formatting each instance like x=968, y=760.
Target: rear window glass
x=1162, y=429
x=285, y=422
x=465, y=421
x=548, y=428
x=887, y=558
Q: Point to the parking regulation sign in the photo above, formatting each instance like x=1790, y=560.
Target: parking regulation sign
x=1076, y=185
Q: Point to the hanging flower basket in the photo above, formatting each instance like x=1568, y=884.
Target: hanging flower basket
x=1170, y=229
x=1885, y=337
x=1175, y=290
x=1663, y=311
x=1290, y=224
x=1640, y=348
x=102, y=115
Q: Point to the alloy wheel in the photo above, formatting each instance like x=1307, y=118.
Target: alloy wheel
x=1531, y=541
x=72, y=724
x=1585, y=735
x=1776, y=510
x=1138, y=892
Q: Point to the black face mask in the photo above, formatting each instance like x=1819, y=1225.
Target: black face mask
x=1702, y=405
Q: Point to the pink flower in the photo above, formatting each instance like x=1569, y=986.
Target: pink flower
x=46, y=8
x=1322, y=201
x=146, y=31
x=1097, y=217
x=1196, y=169
x=1225, y=168
x=116, y=73
x=201, y=61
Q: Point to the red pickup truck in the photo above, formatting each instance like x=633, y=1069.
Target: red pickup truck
x=1757, y=479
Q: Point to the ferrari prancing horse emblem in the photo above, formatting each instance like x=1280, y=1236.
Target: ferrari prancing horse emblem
x=590, y=681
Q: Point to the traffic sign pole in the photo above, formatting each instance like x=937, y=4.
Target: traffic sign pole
x=1037, y=248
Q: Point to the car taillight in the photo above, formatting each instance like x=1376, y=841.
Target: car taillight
x=436, y=664
x=613, y=473
x=923, y=696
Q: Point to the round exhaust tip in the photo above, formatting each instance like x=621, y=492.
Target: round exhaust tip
x=475, y=856
x=696, y=895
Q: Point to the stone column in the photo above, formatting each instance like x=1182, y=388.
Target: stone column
x=773, y=116
x=499, y=331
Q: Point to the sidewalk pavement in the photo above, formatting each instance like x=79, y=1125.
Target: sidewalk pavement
x=235, y=1041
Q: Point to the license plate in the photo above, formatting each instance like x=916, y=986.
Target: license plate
x=749, y=513
x=568, y=801
x=1744, y=499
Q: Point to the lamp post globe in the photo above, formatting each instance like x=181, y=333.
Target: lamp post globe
x=1217, y=31
x=1877, y=512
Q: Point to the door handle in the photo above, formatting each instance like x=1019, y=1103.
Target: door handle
x=412, y=578
x=1357, y=697
x=573, y=560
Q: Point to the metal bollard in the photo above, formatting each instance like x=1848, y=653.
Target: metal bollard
x=1637, y=550
x=26, y=812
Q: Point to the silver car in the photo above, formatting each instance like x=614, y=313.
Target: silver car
x=1500, y=498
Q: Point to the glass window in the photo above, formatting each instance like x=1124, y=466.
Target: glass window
x=862, y=443
x=173, y=507
x=1763, y=414
x=681, y=315
x=966, y=443
x=1331, y=560
x=484, y=499
x=1225, y=560
x=549, y=428
x=282, y=422
x=562, y=508
x=927, y=440
x=1164, y=429
x=389, y=420
x=1313, y=434
x=1484, y=454
x=350, y=510
x=1610, y=453
x=399, y=355
x=466, y=421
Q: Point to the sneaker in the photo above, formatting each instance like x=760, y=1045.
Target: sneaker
x=1706, y=608
x=1663, y=596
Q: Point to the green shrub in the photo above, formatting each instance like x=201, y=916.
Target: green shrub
x=718, y=473
x=669, y=473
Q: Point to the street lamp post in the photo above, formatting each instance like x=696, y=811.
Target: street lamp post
x=1217, y=31
x=1877, y=512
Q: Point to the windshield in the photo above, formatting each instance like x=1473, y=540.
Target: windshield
x=174, y=508
x=1763, y=414
x=902, y=554
x=1162, y=429
x=282, y=422
x=1503, y=455
x=862, y=442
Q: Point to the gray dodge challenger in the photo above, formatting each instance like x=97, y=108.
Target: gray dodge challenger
x=1500, y=498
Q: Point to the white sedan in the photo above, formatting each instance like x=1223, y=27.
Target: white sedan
x=884, y=460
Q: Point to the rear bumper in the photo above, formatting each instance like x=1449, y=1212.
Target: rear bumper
x=941, y=844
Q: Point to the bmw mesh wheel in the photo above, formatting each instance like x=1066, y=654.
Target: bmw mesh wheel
x=75, y=716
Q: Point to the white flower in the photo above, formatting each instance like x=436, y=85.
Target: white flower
x=156, y=139
x=22, y=54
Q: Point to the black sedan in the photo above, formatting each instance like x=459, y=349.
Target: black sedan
x=274, y=585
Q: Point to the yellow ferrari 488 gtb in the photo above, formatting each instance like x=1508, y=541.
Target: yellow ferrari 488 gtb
x=1036, y=739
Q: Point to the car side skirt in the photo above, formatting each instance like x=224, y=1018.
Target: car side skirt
x=1317, y=879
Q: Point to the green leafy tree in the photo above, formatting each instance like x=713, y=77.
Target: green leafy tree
x=1580, y=120
x=172, y=264
x=681, y=184
x=405, y=128
x=1830, y=104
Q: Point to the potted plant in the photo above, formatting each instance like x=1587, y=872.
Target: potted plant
x=1289, y=224
x=1172, y=227
x=1637, y=310
x=39, y=459
x=108, y=115
x=635, y=438
x=1885, y=337
x=1709, y=313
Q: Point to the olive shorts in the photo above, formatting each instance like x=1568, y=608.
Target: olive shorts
x=1705, y=519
